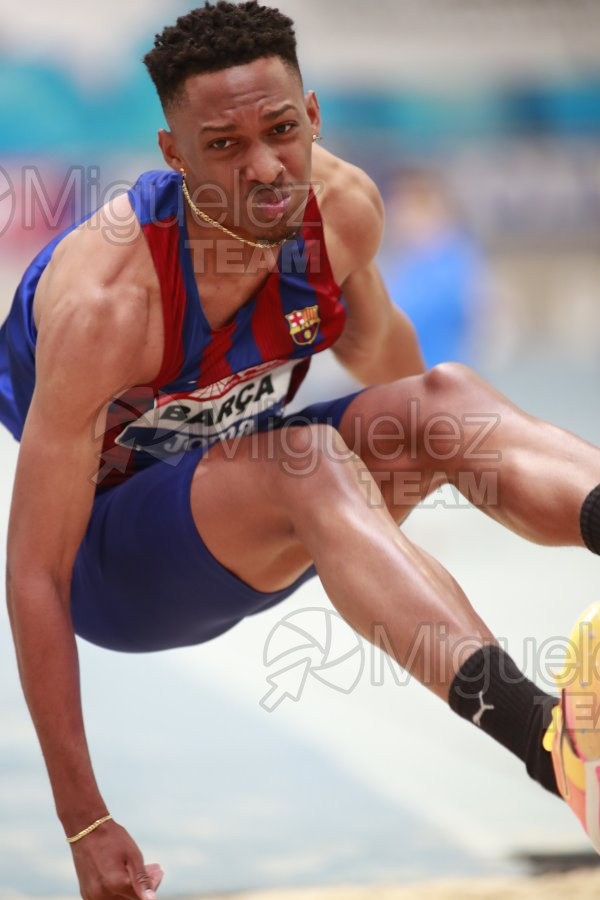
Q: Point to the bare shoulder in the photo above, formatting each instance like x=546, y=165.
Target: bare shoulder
x=100, y=289
x=352, y=210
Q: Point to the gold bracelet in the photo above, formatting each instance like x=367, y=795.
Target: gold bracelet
x=89, y=829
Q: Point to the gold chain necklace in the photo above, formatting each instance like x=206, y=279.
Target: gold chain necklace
x=262, y=245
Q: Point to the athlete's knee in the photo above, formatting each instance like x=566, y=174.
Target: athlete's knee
x=429, y=428
x=424, y=416
x=450, y=381
x=458, y=425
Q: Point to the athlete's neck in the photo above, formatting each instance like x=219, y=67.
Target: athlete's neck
x=218, y=255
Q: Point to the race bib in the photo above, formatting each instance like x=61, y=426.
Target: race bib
x=221, y=411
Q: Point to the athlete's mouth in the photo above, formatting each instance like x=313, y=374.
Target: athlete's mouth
x=271, y=204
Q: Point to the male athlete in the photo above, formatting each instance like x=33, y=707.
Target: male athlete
x=161, y=492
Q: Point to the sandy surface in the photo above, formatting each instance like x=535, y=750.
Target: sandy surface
x=577, y=885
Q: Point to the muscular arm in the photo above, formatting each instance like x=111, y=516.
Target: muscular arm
x=379, y=343
x=51, y=505
x=87, y=351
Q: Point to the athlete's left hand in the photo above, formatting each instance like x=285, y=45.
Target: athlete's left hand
x=155, y=874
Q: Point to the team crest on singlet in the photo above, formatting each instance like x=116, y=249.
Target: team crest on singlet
x=304, y=325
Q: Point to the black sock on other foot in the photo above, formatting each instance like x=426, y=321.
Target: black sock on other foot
x=490, y=691
x=589, y=520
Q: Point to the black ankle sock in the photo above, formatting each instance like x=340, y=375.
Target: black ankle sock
x=589, y=520
x=490, y=691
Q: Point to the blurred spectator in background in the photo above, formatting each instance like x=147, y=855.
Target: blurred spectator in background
x=432, y=268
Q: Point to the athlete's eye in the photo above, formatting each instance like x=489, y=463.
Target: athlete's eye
x=222, y=144
x=284, y=127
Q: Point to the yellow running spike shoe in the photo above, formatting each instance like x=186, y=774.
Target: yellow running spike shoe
x=573, y=737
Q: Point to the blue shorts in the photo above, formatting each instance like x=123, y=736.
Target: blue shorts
x=143, y=578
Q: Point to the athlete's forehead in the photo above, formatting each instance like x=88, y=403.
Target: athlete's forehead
x=265, y=88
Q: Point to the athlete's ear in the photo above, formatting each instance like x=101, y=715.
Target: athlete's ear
x=166, y=142
x=313, y=111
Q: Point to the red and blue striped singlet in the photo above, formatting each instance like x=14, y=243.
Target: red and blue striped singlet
x=213, y=384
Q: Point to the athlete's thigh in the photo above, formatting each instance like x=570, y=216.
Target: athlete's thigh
x=242, y=495
x=169, y=557
x=384, y=426
x=254, y=484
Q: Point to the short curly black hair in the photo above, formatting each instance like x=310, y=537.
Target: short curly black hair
x=218, y=36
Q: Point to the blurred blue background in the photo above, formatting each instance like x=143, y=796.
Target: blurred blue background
x=481, y=125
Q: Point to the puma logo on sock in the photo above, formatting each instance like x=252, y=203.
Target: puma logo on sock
x=481, y=710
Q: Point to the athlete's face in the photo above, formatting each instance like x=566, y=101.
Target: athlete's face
x=244, y=138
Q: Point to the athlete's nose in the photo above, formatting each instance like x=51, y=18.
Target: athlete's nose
x=262, y=165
